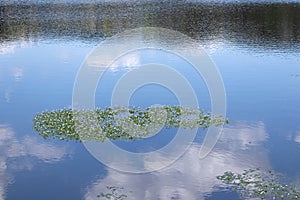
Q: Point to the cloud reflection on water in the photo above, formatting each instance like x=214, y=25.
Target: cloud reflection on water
x=16, y=154
x=239, y=148
x=295, y=137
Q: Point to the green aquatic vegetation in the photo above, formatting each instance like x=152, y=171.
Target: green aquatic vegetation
x=120, y=122
x=114, y=192
x=255, y=183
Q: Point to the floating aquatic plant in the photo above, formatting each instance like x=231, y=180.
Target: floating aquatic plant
x=120, y=122
x=115, y=193
x=255, y=183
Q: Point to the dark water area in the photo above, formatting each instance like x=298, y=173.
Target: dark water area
x=263, y=25
x=254, y=44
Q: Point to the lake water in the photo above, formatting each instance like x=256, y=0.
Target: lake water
x=255, y=46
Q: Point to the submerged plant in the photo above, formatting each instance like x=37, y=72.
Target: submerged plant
x=255, y=183
x=120, y=122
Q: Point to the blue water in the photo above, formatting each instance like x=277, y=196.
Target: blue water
x=261, y=76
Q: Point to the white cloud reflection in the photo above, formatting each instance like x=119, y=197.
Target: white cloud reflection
x=295, y=137
x=13, y=74
x=191, y=178
x=244, y=135
x=12, y=148
x=126, y=62
x=17, y=73
x=7, y=94
x=7, y=49
x=10, y=47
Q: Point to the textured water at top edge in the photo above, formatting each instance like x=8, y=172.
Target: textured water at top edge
x=6, y=2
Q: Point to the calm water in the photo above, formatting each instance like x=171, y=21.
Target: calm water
x=256, y=47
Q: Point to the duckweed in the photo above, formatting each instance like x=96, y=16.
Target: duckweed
x=120, y=122
x=114, y=192
x=255, y=183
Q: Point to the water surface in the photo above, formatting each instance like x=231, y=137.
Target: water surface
x=42, y=45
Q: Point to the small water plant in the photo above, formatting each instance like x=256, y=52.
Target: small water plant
x=255, y=183
x=114, y=193
x=120, y=122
